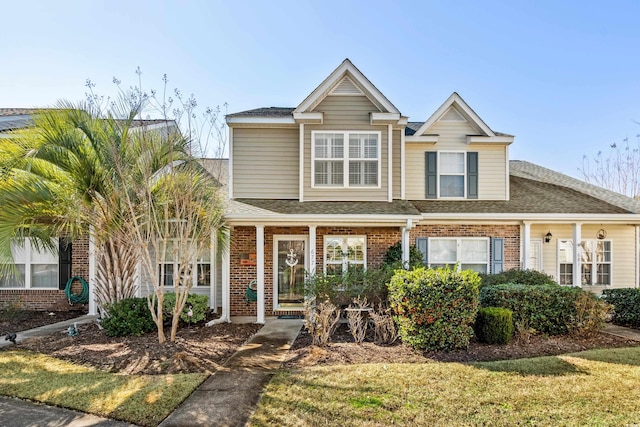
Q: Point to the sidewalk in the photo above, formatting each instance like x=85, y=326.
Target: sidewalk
x=622, y=332
x=48, y=329
x=229, y=396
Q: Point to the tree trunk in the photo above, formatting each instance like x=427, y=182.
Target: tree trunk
x=116, y=273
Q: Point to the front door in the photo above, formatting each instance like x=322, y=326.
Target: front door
x=290, y=266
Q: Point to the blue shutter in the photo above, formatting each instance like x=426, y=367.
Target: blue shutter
x=64, y=263
x=497, y=255
x=472, y=175
x=422, y=245
x=431, y=174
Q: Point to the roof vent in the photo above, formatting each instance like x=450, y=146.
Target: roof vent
x=452, y=115
x=346, y=87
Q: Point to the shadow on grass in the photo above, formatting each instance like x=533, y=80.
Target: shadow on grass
x=620, y=356
x=550, y=366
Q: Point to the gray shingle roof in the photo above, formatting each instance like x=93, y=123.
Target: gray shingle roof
x=293, y=207
x=265, y=112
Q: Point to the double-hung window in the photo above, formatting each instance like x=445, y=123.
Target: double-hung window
x=452, y=174
x=36, y=269
x=595, y=261
x=342, y=253
x=356, y=154
x=171, y=264
x=469, y=253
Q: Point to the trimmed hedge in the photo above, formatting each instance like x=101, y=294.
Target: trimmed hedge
x=434, y=308
x=130, y=316
x=199, y=304
x=523, y=277
x=626, y=305
x=494, y=325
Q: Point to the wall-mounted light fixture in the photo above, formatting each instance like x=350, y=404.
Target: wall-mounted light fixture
x=547, y=237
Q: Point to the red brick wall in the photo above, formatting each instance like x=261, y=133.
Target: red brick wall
x=53, y=299
x=510, y=233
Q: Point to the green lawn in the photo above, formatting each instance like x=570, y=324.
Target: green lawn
x=141, y=399
x=595, y=388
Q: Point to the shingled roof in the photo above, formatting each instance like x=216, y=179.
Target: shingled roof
x=270, y=112
x=294, y=207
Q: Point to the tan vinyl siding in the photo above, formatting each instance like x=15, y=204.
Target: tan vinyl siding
x=265, y=163
x=452, y=135
x=492, y=171
x=396, y=164
x=622, y=246
x=346, y=113
x=415, y=173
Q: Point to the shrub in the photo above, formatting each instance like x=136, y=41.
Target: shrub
x=523, y=277
x=393, y=257
x=494, y=325
x=320, y=320
x=129, y=316
x=626, y=305
x=385, y=331
x=434, y=308
x=358, y=319
x=342, y=289
x=549, y=309
x=199, y=306
x=590, y=316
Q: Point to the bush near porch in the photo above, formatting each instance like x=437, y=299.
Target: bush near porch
x=626, y=303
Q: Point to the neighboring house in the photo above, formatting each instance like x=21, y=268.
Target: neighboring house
x=335, y=181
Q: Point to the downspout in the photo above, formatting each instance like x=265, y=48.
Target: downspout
x=406, y=243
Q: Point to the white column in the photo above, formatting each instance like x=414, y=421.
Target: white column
x=577, y=265
x=226, y=285
x=93, y=309
x=526, y=244
x=402, y=166
x=312, y=250
x=213, y=271
x=260, y=271
x=301, y=160
x=637, y=255
x=406, y=243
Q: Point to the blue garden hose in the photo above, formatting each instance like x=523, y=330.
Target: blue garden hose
x=83, y=297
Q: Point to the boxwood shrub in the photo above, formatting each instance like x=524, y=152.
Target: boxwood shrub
x=523, y=277
x=494, y=325
x=626, y=305
x=130, y=316
x=434, y=308
x=199, y=304
x=548, y=309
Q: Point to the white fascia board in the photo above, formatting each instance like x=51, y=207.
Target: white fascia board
x=542, y=218
x=403, y=120
x=310, y=118
x=261, y=120
x=383, y=118
x=489, y=139
x=320, y=220
x=429, y=139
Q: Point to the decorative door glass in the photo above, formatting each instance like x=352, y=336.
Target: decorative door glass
x=291, y=264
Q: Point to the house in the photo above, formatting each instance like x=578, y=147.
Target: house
x=332, y=183
x=335, y=181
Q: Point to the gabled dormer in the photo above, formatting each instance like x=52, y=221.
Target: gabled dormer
x=455, y=155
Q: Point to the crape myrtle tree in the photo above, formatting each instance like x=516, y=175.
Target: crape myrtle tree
x=98, y=168
x=618, y=170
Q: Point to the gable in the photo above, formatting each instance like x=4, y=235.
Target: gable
x=346, y=87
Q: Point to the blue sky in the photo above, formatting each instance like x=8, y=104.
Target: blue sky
x=562, y=76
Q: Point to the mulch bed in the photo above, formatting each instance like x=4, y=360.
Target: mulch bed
x=342, y=350
x=21, y=320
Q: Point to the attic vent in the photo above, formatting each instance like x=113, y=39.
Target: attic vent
x=452, y=115
x=346, y=87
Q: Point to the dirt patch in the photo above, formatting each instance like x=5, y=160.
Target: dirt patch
x=342, y=350
x=21, y=320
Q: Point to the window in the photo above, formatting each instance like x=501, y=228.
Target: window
x=360, y=159
x=451, y=175
x=171, y=264
x=344, y=252
x=468, y=253
x=36, y=269
x=595, y=261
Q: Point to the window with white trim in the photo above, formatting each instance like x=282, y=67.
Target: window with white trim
x=595, y=262
x=360, y=159
x=36, y=269
x=469, y=253
x=342, y=253
x=452, y=174
x=171, y=265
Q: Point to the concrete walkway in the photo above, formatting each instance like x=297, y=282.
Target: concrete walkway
x=229, y=397
x=622, y=332
x=54, y=328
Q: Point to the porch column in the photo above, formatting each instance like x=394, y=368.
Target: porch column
x=526, y=244
x=406, y=243
x=312, y=250
x=226, y=285
x=93, y=309
x=260, y=272
x=213, y=272
x=577, y=265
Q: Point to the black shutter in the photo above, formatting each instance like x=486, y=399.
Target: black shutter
x=472, y=175
x=497, y=255
x=422, y=245
x=64, y=262
x=431, y=174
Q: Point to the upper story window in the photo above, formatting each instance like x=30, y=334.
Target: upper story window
x=451, y=174
x=354, y=154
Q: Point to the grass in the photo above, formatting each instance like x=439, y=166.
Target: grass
x=596, y=388
x=140, y=399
